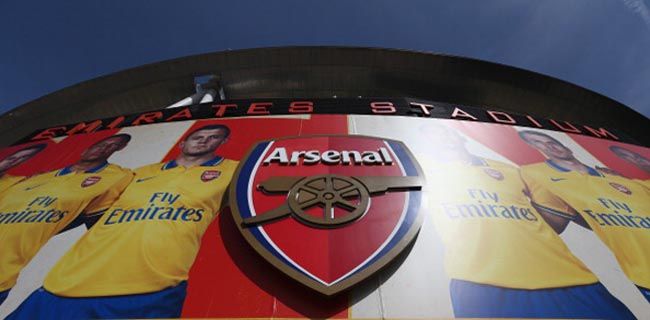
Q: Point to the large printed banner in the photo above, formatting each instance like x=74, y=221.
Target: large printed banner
x=324, y=216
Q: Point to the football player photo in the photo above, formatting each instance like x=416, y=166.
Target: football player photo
x=634, y=159
x=616, y=208
x=13, y=160
x=503, y=258
x=134, y=262
x=42, y=206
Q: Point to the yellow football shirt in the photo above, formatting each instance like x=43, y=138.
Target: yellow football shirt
x=491, y=233
x=36, y=209
x=148, y=240
x=616, y=208
x=7, y=181
x=645, y=183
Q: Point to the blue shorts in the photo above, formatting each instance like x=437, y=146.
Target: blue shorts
x=42, y=304
x=645, y=292
x=473, y=300
x=3, y=296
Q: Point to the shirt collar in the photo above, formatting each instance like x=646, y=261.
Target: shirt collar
x=210, y=163
x=590, y=170
x=95, y=169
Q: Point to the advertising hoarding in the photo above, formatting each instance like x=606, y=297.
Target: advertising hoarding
x=511, y=221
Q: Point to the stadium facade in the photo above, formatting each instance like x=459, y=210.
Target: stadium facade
x=325, y=72
x=324, y=182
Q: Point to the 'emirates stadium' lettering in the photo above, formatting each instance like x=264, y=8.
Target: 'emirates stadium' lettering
x=32, y=214
x=312, y=157
x=616, y=218
x=486, y=206
x=384, y=107
x=161, y=207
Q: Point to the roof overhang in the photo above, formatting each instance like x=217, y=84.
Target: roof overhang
x=324, y=72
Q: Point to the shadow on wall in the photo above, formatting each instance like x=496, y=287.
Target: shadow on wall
x=237, y=282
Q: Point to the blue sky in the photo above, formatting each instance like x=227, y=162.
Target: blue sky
x=603, y=45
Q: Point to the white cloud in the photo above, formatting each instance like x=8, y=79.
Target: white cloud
x=639, y=7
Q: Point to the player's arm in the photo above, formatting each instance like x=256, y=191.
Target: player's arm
x=225, y=197
x=88, y=219
x=98, y=206
x=552, y=209
x=580, y=220
x=645, y=184
x=558, y=224
x=557, y=220
x=101, y=203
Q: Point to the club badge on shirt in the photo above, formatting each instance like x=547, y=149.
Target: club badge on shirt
x=620, y=188
x=90, y=181
x=210, y=175
x=496, y=174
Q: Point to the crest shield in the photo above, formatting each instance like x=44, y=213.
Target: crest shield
x=90, y=181
x=328, y=211
x=210, y=175
x=620, y=188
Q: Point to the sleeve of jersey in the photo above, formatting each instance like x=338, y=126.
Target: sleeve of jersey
x=105, y=200
x=542, y=198
x=231, y=166
x=645, y=184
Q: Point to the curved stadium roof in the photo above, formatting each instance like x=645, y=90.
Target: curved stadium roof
x=324, y=72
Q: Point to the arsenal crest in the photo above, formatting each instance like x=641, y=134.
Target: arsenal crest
x=210, y=175
x=620, y=188
x=496, y=174
x=328, y=211
x=90, y=181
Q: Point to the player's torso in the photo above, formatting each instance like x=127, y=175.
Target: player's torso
x=149, y=238
x=48, y=202
x=612, y=203
x=616, y=208
x=34, y=210
x=645, y=183
x=170, y=199
x=7, y=181
x=483, y=214
x=615, y=202
x=481, y=195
